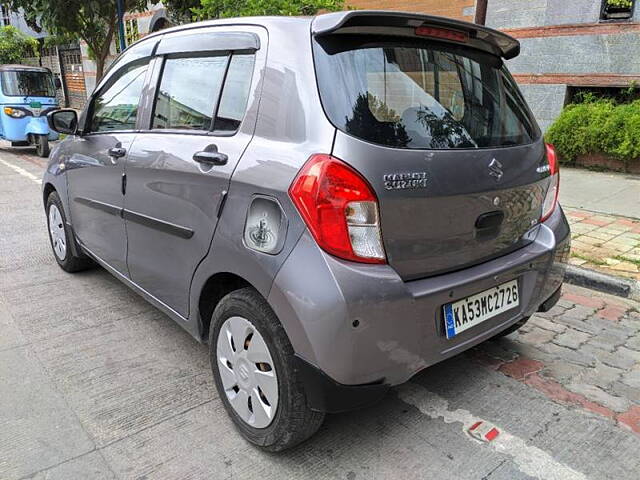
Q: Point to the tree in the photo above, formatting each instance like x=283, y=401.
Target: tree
x=242, y=8
x=180, y=10
x=15, y=45
x=93, y=21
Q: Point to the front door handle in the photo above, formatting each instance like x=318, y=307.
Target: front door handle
x=211, y=156
x=117, y=152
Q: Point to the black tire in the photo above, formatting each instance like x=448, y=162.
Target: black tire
x=70, y=263
x=294, y=421
x=511, y=329
x=42, y=145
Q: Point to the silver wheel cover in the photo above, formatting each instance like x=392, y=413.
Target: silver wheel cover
x=58, y=235
x=247, y=372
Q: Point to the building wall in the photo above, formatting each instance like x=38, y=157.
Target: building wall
x=564, y=43
x=529, y=13
x=17, y=20
x=461, y=9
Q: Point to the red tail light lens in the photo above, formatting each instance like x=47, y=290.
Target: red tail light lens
x=551, y=198
x=339, y=208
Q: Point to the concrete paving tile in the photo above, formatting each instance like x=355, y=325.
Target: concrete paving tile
x=596, y=394
x=390, y=440
x=562, y=371
x=90, y=467
x=569, y=432
x=121, y=378
x=11, y=335
x=571, y=338
x=37, y=427
x=547, y=324
x=537, y=336
x=578, y=357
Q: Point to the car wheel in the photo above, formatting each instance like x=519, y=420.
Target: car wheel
x=42, y=145
x=252, y=362
x=511, y=329
x=60, y=236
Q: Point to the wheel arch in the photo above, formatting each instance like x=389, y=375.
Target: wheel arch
x=47, y=190
x=214, y=289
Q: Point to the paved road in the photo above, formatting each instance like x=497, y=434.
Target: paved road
x=603, y=192
x=97, y=384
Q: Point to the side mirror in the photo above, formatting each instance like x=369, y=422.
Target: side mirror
x=63, y=121
x=57, y=83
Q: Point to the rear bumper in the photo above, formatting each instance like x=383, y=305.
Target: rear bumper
x=363, y=325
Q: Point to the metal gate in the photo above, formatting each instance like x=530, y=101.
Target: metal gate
x=70, y=60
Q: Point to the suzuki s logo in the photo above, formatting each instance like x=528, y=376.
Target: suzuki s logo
x=495, y=169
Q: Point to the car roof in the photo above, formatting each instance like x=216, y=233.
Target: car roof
x=265, y=21
x=13, y=67
x=482, y=37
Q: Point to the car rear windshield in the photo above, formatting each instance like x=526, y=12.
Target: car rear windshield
x=420, y=94
x=27, y=84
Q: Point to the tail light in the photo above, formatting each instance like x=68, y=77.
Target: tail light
x=551, y=198
x=340, y=209
x=443, y=33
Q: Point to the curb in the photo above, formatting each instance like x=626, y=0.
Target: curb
x=621, y=287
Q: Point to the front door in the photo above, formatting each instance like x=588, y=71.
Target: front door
x=179, y=169
x=96, y=166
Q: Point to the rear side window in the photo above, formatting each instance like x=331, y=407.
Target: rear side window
x=188, y=92
x=421, y=95
x=233, y=102
x=203, y=93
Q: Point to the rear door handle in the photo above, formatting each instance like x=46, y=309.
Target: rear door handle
x=117, y=152
x=211, y=156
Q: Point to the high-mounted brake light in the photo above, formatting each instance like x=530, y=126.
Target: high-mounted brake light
x=340, y=209
x=443, y=33
x=551, y=198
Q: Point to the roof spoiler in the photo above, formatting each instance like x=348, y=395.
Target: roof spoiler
x=406, y=23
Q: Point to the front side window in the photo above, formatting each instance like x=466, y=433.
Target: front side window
x=420, y=95
x=24, y=83
x=116, y=106
x=188, y=92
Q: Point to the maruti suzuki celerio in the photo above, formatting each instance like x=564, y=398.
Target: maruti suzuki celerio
x=332, y=203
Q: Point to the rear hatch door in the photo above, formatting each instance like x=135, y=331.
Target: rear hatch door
x=444, y=136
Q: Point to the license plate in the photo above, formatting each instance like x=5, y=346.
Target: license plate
x=468, y=312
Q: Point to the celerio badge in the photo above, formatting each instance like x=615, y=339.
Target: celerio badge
x=405, y=181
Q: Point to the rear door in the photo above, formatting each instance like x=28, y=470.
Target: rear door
x=446, y=140
x=179, y=168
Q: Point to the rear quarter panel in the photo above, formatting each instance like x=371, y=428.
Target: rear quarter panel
x=290, y=127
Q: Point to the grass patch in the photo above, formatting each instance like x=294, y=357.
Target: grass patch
x=622, y=258
x=587, y=258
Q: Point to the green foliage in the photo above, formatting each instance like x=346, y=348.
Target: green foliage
x=15, y=45
x=93, y=21
x=180, y=10
x=243, y=8
x=597, y=126
x=620, y=3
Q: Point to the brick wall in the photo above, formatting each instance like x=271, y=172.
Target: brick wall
x=461, y=9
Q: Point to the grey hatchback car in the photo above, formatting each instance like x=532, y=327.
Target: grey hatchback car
x=332, y=203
